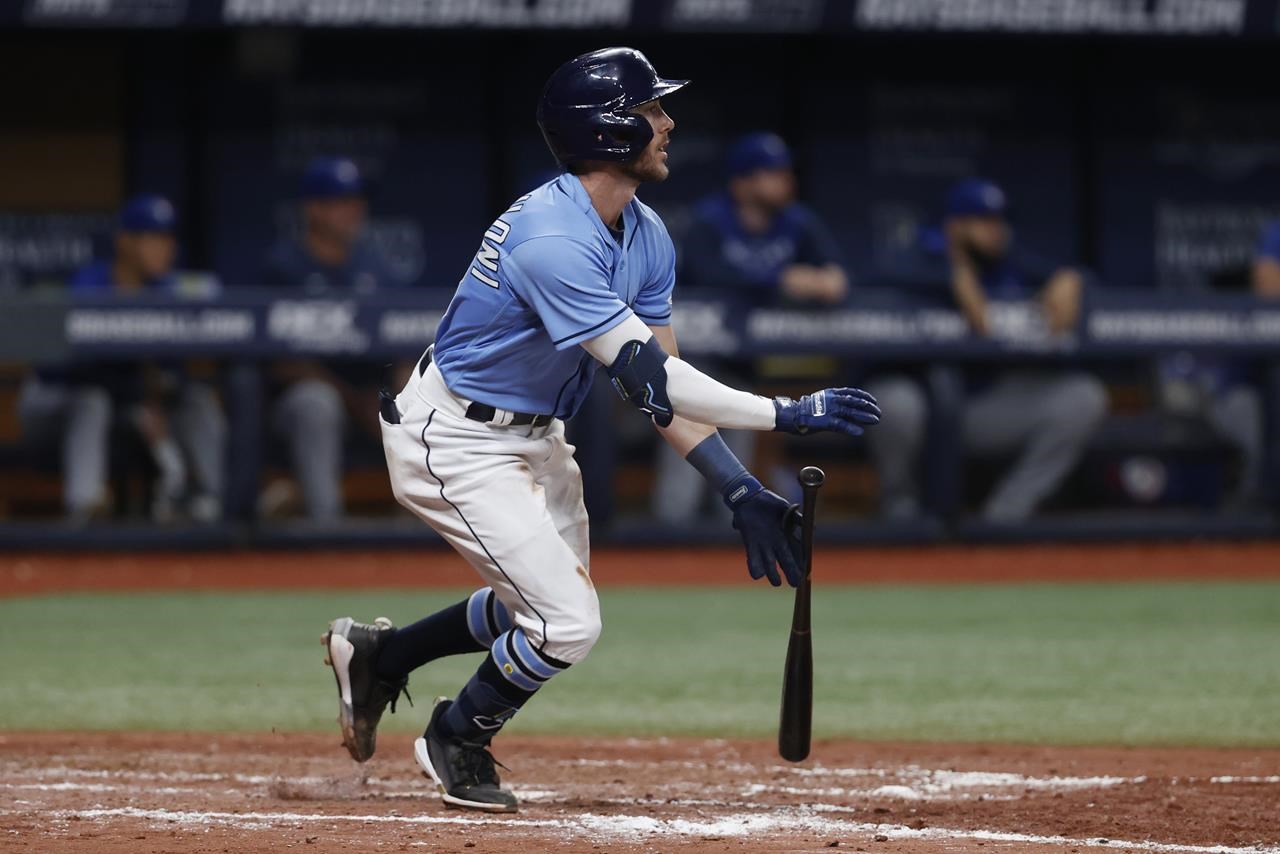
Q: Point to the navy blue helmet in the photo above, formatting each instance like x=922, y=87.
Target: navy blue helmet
x=585, y=108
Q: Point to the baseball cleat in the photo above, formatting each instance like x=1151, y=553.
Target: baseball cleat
x=351, y=650
x=464, y=773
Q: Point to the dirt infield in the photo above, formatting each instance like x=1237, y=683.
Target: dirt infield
x=40, y=573
x=253, y=793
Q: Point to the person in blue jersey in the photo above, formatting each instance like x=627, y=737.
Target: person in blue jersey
x=331, y=257
x=333, y=251
x=576, y=275
x=755, y=240
x=179, y=419
x=1041, y=417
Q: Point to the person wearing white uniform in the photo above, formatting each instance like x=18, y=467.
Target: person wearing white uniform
x=576, y=274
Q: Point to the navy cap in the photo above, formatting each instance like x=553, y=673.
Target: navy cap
x=976, y=197
x=331, y=178
x=148, y=212
x=758, y=151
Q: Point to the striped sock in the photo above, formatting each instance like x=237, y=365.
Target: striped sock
x=508, y=677
x=467, y=626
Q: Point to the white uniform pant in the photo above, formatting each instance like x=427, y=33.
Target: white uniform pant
x=509, y=499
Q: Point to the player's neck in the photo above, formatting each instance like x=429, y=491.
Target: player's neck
x=610, y=193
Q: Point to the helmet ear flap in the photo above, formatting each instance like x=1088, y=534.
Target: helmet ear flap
x=625, y=134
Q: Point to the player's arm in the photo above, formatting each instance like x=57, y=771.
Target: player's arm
x=764, y=519
x=966, y=287
x=681, y=434
x=665, y=386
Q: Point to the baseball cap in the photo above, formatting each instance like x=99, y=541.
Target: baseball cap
x=148, y=212
x=331, y=178
x=756, y=151
x=976, y=197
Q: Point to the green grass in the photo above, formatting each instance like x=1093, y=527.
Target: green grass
x=1135, y=664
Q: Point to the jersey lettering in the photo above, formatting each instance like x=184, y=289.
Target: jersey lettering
x=487, y=257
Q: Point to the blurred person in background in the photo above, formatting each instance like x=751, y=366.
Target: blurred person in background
x=754, y=240
x=1044, y=417
x=333, y=251
x=756, y=245
x=1225, y=391
x=1266, y=263
x=179, y=420
x=313, y=401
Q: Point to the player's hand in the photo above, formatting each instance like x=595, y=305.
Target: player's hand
x=844, y=410
x=770, y=532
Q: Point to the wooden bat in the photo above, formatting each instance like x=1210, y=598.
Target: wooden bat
x=796, y=724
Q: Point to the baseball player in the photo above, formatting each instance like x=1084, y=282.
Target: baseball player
x=576, y=274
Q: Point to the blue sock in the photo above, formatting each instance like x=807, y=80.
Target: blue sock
x=511, y=674
x=467, y=626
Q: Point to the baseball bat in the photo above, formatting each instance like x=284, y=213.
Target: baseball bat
x=796, y=724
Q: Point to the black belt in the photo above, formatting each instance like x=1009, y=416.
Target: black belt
x=485, y=413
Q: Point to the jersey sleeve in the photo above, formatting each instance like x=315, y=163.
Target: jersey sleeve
x=566, y=283
x=653, y=304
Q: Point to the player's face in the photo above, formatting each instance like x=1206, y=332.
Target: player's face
x=772, y=189
x=339, y=219
x=651, y=165
x=988, y=235
x=151, y=254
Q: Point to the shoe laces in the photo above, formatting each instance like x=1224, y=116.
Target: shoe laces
x=397, y=689
x=474, y=762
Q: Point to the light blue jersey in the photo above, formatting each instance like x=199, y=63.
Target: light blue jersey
x=550, y=275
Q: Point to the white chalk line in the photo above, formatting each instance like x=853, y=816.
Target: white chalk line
x=909, y=783
x=622, y=827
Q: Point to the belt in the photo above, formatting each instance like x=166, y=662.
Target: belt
x=487, y=414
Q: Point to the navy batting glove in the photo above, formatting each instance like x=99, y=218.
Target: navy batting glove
x=769, y=526
x=844, y=410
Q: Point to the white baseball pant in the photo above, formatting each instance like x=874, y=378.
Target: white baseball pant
x=509, y=499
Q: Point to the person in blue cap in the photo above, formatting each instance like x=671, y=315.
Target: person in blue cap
x=330, y=256
x=180, y=420
x=331, y=253
x=755, y=240
x=1043, y=418
x=145, y=249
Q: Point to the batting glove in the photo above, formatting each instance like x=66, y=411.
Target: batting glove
x=844, y=410
x=769, y=526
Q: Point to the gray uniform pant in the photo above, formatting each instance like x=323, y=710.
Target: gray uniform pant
x=1045, y=419
x=1236, y=415
x=309, y=418
x=82, y=415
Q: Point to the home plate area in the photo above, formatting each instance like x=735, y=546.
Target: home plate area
x=172, y=792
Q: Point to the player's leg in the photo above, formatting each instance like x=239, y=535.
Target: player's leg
x=1047, y=419
x=201, y=429
x=895, y=445
x=310, y=418
x=1236, y=415
x=82, y=416
x=477, y=487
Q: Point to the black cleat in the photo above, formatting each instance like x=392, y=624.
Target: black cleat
x=362, y=696
x=464, y=773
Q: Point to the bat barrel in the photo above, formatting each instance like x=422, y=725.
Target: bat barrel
x=796, y=725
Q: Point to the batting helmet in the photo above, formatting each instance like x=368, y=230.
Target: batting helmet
x=585, y=108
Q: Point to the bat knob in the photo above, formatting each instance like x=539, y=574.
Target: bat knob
x=812, y=476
